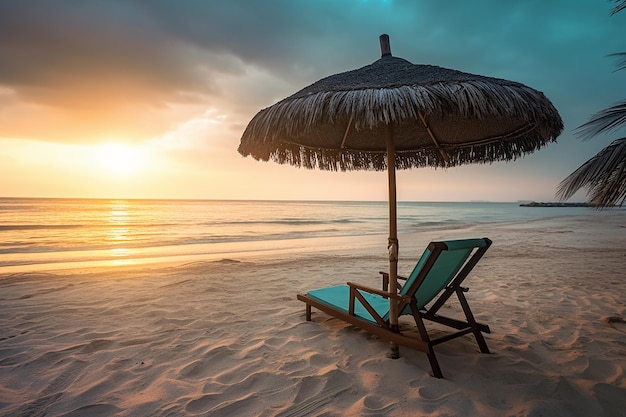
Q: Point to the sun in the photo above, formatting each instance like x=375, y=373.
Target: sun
x=120, y=159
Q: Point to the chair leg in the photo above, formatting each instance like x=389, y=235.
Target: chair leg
x=480, y=339
x=308, y=312
x=432, y=358
x=434, y=363
x=421, y=327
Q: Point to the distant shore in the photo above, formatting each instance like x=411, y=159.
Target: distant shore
x=558, y=204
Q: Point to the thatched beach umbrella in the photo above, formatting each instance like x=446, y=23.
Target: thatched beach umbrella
x=392, y=115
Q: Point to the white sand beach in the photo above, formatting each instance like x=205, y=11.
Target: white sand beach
x=227, y=337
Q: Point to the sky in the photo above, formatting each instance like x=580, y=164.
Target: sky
x=149, y=99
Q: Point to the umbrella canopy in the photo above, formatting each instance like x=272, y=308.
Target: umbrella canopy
x=441, y=118
x=392, y=115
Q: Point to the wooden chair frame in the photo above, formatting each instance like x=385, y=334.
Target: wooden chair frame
x=425, y=344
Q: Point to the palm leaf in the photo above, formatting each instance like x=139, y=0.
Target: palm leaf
x=621, y=5
x=621, y=64
x=604, y=176
x=604, y=121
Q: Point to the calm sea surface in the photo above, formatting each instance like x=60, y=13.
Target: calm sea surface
x=39, y=233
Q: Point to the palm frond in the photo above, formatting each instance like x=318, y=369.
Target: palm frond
x=621, y=63
x=604, y=121
x=621, y=5
x=604, y=176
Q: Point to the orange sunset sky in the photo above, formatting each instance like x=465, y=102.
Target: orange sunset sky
x=148, y=99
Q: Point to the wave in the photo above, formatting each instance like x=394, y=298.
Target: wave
x=288, y=222
x=8, y=227
x=36, y=230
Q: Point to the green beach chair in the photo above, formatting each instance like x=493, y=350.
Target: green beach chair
x=440, y=271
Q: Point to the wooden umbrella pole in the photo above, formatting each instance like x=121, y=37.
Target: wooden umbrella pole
x=393, y=238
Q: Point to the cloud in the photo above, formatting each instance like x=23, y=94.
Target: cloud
x=99, y=68
x=134, y=70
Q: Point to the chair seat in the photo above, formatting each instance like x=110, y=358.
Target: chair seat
x=339, y=298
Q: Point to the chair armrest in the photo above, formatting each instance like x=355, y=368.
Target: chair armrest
x=386, y=279
x=371, y=290
x=386, y=274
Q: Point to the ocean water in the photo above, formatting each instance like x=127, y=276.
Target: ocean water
x=37, y=234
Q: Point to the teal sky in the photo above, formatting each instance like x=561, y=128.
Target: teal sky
x=148, y=99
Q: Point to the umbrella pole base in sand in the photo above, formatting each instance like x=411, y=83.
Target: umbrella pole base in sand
x=394, y=351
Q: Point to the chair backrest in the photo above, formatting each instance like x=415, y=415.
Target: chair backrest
x=449, y=257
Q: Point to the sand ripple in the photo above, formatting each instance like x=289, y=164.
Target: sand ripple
x=229, y=338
